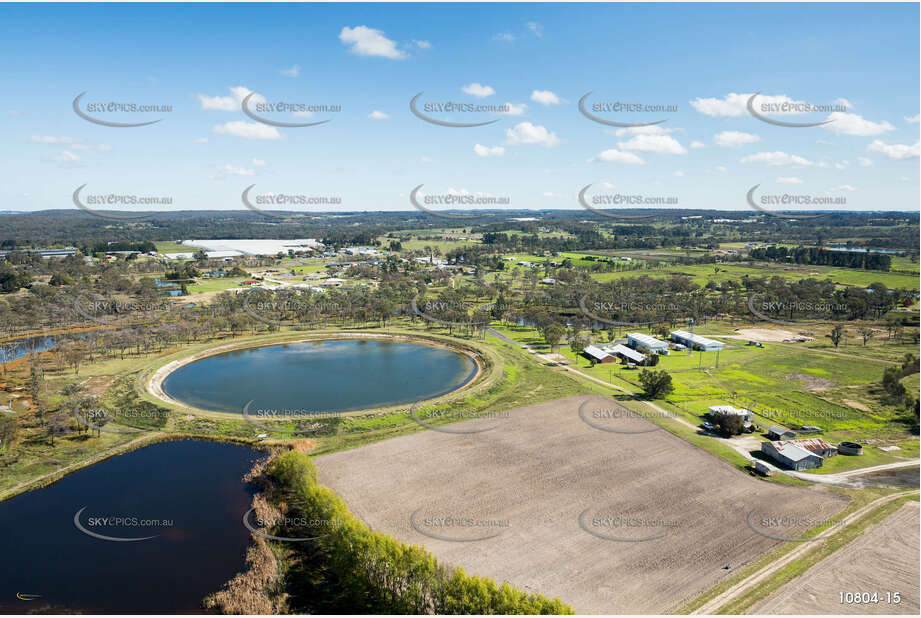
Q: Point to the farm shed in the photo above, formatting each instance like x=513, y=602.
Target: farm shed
x=814, y=445
x=695, y=341
x=627, y=354
x=637, y=340
x=791, y=456
x=776, y=432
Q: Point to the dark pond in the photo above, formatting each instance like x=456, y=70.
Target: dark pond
x=192, y=489
x=320, y=376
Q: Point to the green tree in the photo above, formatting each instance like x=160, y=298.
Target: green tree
x=656, y=384
x=728, y=424
x=836, y=334
x=552, y=333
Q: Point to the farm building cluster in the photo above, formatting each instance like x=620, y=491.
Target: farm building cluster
x=640, y=348
x=806, y=453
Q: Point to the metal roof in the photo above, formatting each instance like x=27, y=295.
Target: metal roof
x=730, y=410
x=646, y=340
x=779, y=430
x=791, y=451
x=683, y=334
x=628, y=352
x=810, y=444
x=595, y=352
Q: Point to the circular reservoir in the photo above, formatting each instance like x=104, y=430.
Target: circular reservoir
x=320, y=376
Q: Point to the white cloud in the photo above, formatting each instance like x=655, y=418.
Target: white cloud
x=50, y=139
x=201, y=140
x=735, y=139
x=658, y=144
x=527, y=133
x=545, y=97
x=841, y=188
x=679, y=174
x=536, y=28
x=378, y=115
x=258, y=162
x=425, y=159
x=913, y=119
x=248, y=130
x=734, y=105
x=612, y=155
x=233, y=170
x=607, y=185
x=695, y=144
x=775, y=158
x=294, y=71
x=844, y=102
x=486, y=151
x=854, y=124
x=895, y=151
x=790, y=180
x=864, y=162
x=721, y=168
x=231, y=103
x=423, y=44
x=65, y=158
x=650, y=129
x=515, y=109
x=478, y=90
x=841, y=165
x=506, y=37
x=364, y=41
x=75, y=143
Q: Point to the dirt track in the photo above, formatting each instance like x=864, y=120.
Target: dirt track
x=884, y=559
x=678, y=514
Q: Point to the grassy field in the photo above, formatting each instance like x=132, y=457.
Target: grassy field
x=782, y=385
x=166, y=246
x=215, y=285
x=701, y=274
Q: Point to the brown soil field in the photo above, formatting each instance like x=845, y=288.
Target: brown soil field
x=883, y=559
x=576, y=498
x=766, y=335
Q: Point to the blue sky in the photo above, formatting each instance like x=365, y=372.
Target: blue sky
x=371, y=59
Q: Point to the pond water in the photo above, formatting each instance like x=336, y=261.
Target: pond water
x=187, y=495
x=320, y=376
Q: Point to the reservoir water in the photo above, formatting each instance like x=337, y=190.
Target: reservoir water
x=187, y=495
x=320, y=376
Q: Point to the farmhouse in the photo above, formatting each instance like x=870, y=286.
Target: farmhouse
x=610, y=354
x=598, y=355
x=791, y=455
x=639, y=341
x=695, y=342
x=776, y=432
x=745, y=414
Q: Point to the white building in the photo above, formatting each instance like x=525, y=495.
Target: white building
x=695, y=341
x=637, y=340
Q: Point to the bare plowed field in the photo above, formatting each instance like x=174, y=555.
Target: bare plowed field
x=576, y=498
x=883, y=559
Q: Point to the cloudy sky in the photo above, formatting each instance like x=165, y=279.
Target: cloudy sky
x=700, y=62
